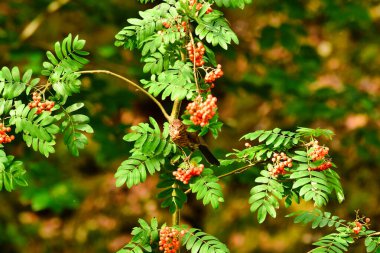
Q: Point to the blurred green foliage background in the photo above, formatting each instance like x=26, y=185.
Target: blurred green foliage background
x=299, y=63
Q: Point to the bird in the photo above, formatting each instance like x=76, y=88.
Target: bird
x=184, y=139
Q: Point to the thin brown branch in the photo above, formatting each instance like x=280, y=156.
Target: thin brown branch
x=133, y=84
x=235, y=171
x=375, y=234
x=194, y=66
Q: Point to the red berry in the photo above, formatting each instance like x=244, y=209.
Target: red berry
x=166, y=24
x=184, y=175
x=196, y=56
x=356, y=230
x=318, y=153
x=201, y=112
x=169, y=240
x=213, y=75
x=4, y=138
x=41, y=106
x=280, y=161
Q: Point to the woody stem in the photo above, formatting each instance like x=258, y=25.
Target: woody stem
x=133, y=84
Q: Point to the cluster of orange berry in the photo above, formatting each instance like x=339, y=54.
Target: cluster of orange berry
x=4, y=137
x=170, y=239
x=199, y=6
x=358, y=225
x=319, y=153
x=357, y=228
x=214, y=74
x=280, y=161
x=184, y=175
x=324, y=166
x=196, y=56
x=202, y=112
x=41, y=106
x=179, y=26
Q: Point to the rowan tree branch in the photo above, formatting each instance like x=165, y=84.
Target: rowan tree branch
x=235, y=171
x=133, y=84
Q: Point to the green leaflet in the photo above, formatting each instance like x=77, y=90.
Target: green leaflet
x=176, y=82
x=143, y=236
x=312, y=185
x=214, y=125
x=233, y=3
x=132, y=36
x=151, y=141
x=276, y=138
x=265, y=195
x=61, y=67
x=338, y=241
x=173, y=197
x=254, y=153
x=372, y=244
x=334, y=242
x=317, y=218
x=334, y=182
x=12, y=173
x=38, y=130
x=207, y=188
x=215, y=29
x=13, y=84
x=5, y=106
x=148, y=155
x=73, y=128
x=309, y=132
x=199, y=241
x=134, y=170
x=146, y=1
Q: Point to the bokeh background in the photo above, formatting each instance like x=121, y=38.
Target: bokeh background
x=299, y=63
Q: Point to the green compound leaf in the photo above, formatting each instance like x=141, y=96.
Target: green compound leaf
x=38, y=130
x=151, y=141
x=215, y=29
x=134, y=170
x=12, y=84
x=61, y=68
x=73, y=127
x=142, y=237
x=207, y=188
x=233, y=3
x=176, y=82
x=265, y=195
x=199, y=241
x=12, y=173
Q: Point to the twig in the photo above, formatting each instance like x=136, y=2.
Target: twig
x=235, y=171
x=166, y=115
x=194, y=67
x=373, y=234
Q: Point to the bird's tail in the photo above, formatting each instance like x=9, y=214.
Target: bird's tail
x=208, y=155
